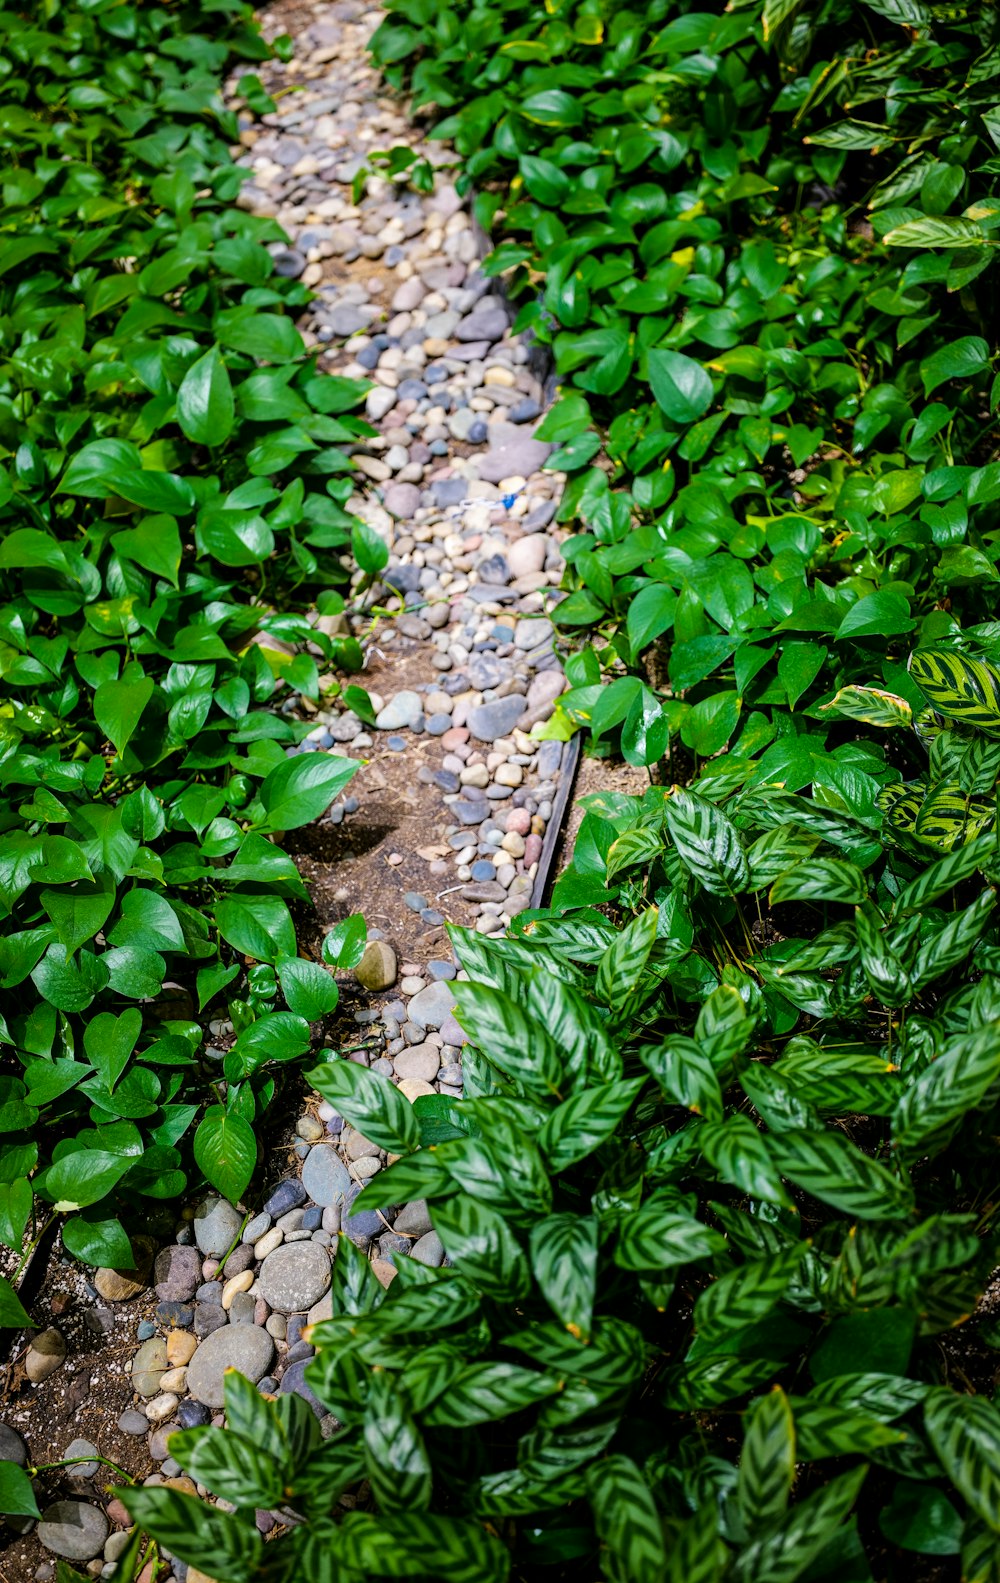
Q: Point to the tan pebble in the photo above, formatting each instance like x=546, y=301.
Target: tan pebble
x=509, y=775
x=187, y=1487
x=161, y=1408
x=513, y=843
x=236, y=1283
x=384, y=1273
x=269, y=1241
x=498, y=375
x=174, y=1380
x=395, y=858
x=181, y=1346
x=537, y=825
x=414, y=1087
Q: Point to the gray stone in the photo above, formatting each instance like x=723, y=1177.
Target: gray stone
x=255, y=1228
x=133, y=1423
x=346, y=319
x=402, y=500
x=247, y=1348
x=377, y=968
x=81, y=1470
x=12, y=1447
x=288, y=1194
x=404, y=710
x=513, y=453
x=428, y=1250
x=73, y=1530
x=487, y=323
x=148, y=1366
x=420, y=1060
x=413, y=1219
x=430, y=1007
x=325, y=1177
x=294, y=1381
x=532, y=632
x=177, y=1273
x=45, y=1355
x=295, y=1276
x=496, y=719
x=216, y=1226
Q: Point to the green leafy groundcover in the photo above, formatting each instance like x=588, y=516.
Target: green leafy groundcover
x=719, y=1206
x=720, y=1200
x=173, y=477
x=760, y=239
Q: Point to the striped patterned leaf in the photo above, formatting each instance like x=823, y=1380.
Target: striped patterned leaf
x=777, y=851
x=622, y=965
x=635, y=846
x=783, y=1554
x=948, y=818
x=514, y=1492
x=960, y=688
x=739, y=1153
x=939, y=1099
x=390, y=1543
x=826, y=879
x=965, y=1433
x=942, y=876
x=829, y=1429
x=484, y=1392
x=767, y=1461
x=482, y=1247
x=899, y=805
x=583, y=1122
x=633, y=1549
x=697, y=1554
x=885, y=1396
x=724, y=1026
x=707, y=843
x=516, y=1044
x=832, y=1169
x=396, y=1459
x=746, y=1294
x=657, y=1237
x=709, y=1381
x=980, y=1554
x=686, y=1076
x=951, y=945
x=979, y=766
x=888, y=978
x=872, y=707
x=564, y=1264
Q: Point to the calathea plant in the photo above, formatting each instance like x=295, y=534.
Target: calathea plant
x=716, y=1210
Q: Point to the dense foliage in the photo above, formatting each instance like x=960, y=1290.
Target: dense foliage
x=715, y=1215
x=759, y=240
x=172, y=493
x=719, y=1202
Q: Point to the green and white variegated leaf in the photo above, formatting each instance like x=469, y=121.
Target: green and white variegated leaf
x=629, y=1526
x=979, y=766
x=980, y=1553
x=950, y=945
x=872, y=707
x=788, y=1547
x=481, y=1393
x=948, y=818
x=686, y=1075
x=739, y=1154
x=829, y=1429
x=935, y=1103
x=961, y=688
x=888, y=978
x=834, y=1170
x=965, y=1433
x=724, y=1026
x=564, y=1264
x=586, y=1120
x=746, y=1294
x=623, y=963
x=707, y=843
x=767, y=1460
x=634, y=847
x=942, y=876
x=826, y=879
x=777, y=851
x=516, y=1044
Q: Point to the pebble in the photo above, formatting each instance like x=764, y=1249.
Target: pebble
x=46, y=1354
x=74, y=1530
x=289, y=1194
x=431, y=1006
x=216, y=1225
x=292, y=1278
x=81, y=1470
x=377, y=968
x=244, y=1347
x=177, y=1273
x=325, y=1176
x=149, y=1365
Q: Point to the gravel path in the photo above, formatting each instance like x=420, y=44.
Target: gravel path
x=455, y=489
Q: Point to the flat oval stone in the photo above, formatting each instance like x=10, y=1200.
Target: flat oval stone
x=325, y=1176
x=149, y=1366
x=294, y=1277
x=216, y=1226
x=73, y=1530
x=244, y=1347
